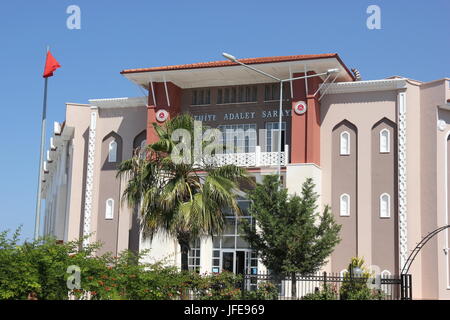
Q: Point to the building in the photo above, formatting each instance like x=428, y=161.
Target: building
x=377, y=151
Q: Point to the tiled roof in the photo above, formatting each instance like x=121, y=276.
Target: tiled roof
x=225, y=63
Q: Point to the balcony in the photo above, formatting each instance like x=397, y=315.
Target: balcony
x=252, y=159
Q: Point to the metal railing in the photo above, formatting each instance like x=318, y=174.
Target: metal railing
x=382, y=287
x=250, y=159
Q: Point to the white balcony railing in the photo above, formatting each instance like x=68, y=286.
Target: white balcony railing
x=252, y=159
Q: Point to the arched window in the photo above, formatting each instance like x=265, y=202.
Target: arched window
x=109, y=211
x=385, y=141
x=385, y=206
x=345, y=143
x=142, y=149
x=112, y=151
x=345, y=205
x=143, y=144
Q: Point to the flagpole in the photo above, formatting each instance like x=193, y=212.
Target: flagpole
x=38, y=196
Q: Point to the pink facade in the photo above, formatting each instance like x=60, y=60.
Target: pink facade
x=377, y=150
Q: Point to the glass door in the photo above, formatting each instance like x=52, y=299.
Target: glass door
x=228, y=261
x=240, y=262
x=273, y=135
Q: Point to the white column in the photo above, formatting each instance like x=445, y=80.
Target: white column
x=402, y=185
x=89, y=176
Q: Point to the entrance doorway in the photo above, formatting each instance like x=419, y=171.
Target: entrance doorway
x=234, y=261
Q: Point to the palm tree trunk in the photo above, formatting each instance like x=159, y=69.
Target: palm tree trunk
x=293, y=286
x=184, y=246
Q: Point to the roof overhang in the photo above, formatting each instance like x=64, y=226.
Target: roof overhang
x=222, y=73
x=119, y=102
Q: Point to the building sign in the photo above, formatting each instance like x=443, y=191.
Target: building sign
x=162, y=115
x=245, y=115
x=299, y=107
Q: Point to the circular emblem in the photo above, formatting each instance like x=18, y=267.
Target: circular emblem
x=300, y=107
x=162, y=115
x=441, y=125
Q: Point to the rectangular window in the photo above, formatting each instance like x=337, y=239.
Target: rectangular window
x=240, y=138
x=219, y=96
x=194, y=256
x=272, y=136
x=239, y=94
x=226, y=98
x=272, y=91
x=200, y=97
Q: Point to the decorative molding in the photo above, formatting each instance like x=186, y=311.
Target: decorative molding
x=119, y=102
x=89, y=177
x=402, y=179
x=250, y=159
x=364, y=86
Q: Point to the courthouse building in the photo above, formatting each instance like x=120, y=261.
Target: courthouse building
x=376, y=149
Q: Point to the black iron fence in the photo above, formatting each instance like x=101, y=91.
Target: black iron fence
x=338, y=286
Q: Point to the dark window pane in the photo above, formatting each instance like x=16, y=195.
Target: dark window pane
x=241, y=243
x=254, y=94
x=241, y=94
x=229, y=226
x=228, y=242
x=208, y=97
x=226, y=98
x=219, y=96
x=216, y=242
x=201, y=97
x=266, y=92
x=233, y=95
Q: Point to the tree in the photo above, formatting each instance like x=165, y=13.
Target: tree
x=290, y=236
x=183, y=199
x=355, y=284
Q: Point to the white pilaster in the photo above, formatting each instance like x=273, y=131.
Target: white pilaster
x=402, y=179
x=89, y=177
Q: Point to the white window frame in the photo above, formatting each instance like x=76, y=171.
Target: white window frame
x=109, y=209
x=344, y=151
x=341, y=199
x=112, y=151
x=272, y=137
x=388, y=209
x=387, y=147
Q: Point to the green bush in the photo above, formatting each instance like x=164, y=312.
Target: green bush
x=354, y=286
x=328, y=292
x=265, y=291
x=40, y=269
x=220, y=286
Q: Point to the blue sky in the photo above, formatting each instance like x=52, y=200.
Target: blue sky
x=115, y=35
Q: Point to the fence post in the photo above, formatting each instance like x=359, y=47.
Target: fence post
x=243, y=285
x=324, y=279
x=406, y=287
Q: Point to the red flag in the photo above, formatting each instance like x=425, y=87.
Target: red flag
x=50, y=65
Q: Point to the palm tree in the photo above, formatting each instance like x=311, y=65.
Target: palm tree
x=184, y=200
